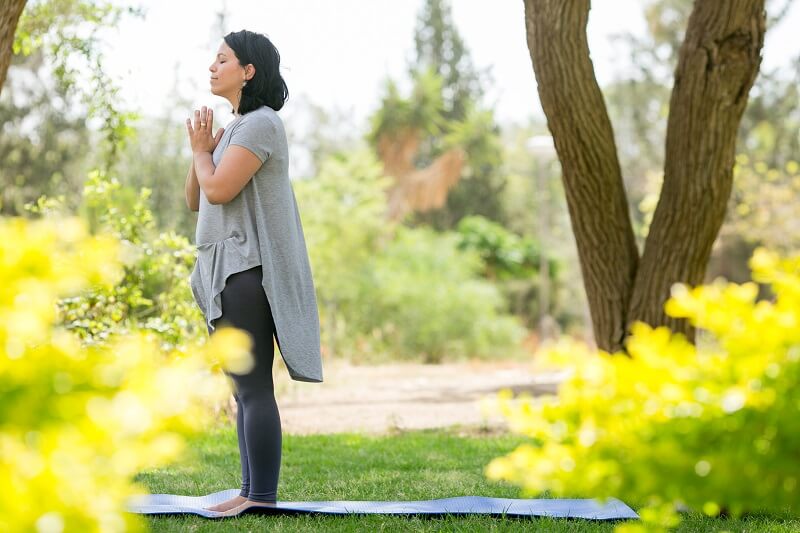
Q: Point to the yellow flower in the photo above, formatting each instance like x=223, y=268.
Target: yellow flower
x=233, y=348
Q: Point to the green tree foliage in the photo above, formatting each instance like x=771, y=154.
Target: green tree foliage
x=638, y=105
x=523, y=199
x=369, y=293
x=763, y=211
x=445, y=105
x=427, y=299
x=771, y=122
x=422, y=110
x=58, y=30
x=154, y=293
x=157, y=158
x=478, y=135
x=329, y=132
x=439, y=47
x=385, y=290
x=505, y=254
x=512, y=263
x=342, y=210
x=48, y=156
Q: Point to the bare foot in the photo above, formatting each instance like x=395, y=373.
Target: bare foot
x=229, y=504
x=246, y=504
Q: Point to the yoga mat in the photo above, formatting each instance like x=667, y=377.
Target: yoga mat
x=613, y=509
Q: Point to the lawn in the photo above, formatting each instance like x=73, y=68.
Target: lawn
x=409, y=465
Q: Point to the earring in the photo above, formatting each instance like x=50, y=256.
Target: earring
x=244, y=83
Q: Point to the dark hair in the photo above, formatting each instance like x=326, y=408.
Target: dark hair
x=266, y=87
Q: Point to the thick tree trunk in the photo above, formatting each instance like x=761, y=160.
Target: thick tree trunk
x=9, y=18
x=718, y=62
x=577, y=118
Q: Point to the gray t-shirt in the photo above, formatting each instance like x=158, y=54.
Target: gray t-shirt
x=261, y=226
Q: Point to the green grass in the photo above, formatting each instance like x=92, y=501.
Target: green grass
x=414, y=465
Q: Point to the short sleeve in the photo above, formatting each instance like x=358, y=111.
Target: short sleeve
x=255, y=133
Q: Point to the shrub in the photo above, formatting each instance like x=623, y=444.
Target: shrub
x=387, y=290
x=154, y=292
x=77, y=422
x=712, y=427
x=425, y=296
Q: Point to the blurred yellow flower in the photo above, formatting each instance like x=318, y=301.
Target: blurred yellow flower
x=79, y=422
x=649, y=427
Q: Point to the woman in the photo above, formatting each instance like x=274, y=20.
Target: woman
x=252, y=270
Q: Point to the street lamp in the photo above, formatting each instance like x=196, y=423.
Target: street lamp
x=543, y=149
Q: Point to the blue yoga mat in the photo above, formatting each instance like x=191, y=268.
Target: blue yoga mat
x=612, y=509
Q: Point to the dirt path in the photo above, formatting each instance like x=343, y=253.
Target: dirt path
x=382, y=399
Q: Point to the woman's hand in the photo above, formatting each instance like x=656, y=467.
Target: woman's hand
x=200, y=134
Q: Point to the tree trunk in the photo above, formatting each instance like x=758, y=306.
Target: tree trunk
x=9, y=18
x=577, y=118
x=717, y=64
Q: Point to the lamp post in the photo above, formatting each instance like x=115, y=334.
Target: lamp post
x=543, y=149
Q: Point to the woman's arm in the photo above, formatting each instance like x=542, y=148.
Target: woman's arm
x=192, y=189
x=223, y=183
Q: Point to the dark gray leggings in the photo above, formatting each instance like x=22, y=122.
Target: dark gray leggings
x=258, y=423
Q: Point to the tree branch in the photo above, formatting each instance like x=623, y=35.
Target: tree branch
x=9, y=18
x=584, y=139
x=717, y=64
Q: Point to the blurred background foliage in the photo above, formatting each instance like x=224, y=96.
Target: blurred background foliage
x=389, y=287
x=398, y=277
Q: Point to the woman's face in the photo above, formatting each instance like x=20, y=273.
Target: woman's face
x=226, y=73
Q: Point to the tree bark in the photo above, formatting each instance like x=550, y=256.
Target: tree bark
x=717, y=65
x=584, y=139
x=9, y=18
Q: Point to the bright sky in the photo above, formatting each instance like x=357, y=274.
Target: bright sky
x=337, y=53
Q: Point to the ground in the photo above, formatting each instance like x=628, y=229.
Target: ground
x=385, y=398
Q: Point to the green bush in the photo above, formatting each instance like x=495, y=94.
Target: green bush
x=513, y=262
x=154, y=294
x=382, y=291
x=505, y=254
x=390, y=291
x=425, y=297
